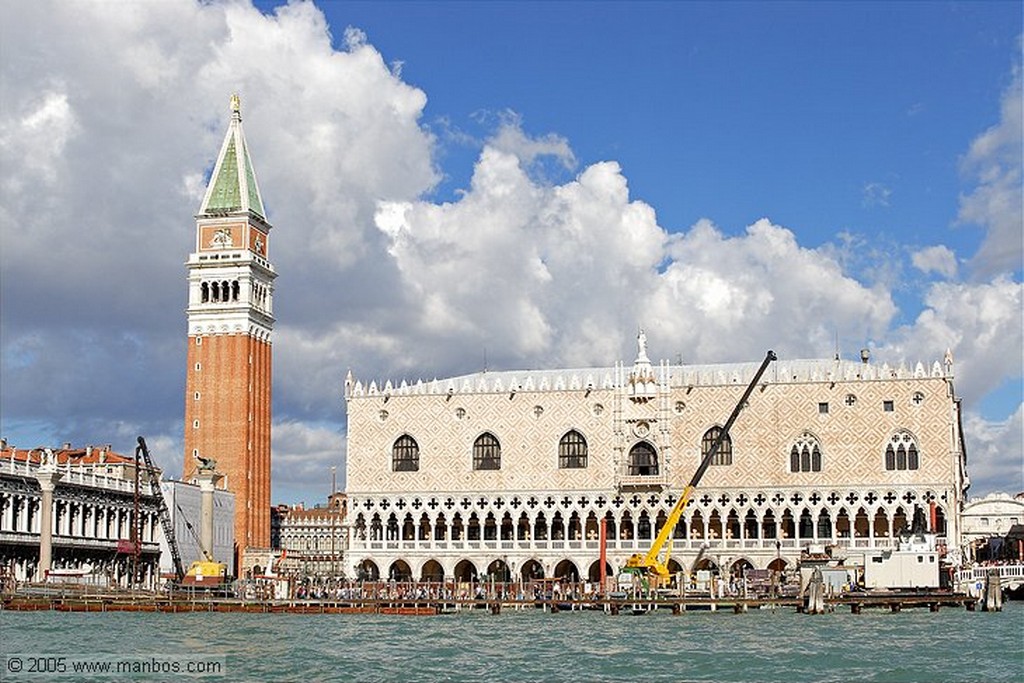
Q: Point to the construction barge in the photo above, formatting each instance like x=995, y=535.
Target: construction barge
x=855, y=602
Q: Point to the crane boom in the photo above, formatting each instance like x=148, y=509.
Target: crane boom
x=652, y=562
x=162, y=511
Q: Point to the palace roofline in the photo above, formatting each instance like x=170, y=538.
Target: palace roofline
x=673, y=375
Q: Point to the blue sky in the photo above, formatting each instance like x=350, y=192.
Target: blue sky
x=825, y=117
x=732, y=176
x=703, y=103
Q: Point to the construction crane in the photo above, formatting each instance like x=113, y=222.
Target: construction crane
x=162, y=511
x=195, y=536
x=653, y=566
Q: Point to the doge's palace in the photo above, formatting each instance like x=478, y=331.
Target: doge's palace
x=508, y=475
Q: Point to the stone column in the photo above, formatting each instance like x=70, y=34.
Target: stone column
x=48, y=477
x=208, y=478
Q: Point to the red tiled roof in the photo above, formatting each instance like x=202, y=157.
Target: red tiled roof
x=76, y=456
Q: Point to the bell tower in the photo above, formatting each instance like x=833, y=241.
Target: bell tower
x=230, y=323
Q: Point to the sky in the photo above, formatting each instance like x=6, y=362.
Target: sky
x=509, y=185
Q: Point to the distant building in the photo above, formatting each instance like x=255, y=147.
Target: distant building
x=92, y=515
x=987, y=518
x=184, y=504
x=513, y=473
x=230, y=324
x=314, y=540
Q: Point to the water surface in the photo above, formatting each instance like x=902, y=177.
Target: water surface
x=766, y=645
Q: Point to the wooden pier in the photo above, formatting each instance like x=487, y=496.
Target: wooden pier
x=854, y=602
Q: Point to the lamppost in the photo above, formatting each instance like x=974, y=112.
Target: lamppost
x=778, y=567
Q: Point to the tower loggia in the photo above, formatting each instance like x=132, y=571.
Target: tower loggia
x=230, y=326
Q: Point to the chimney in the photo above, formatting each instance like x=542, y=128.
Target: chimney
x=67, y=445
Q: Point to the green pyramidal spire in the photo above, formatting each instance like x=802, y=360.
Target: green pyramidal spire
x=233, y=186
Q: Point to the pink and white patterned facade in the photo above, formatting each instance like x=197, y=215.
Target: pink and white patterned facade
x=508, y=474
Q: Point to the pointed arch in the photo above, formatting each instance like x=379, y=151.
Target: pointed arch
x=465, y=571
x=498, y=570
x=805, y=454
x=432, y=571
x=643, y=460
x=567, y=571
x=507, y=530
x=531, y=570
x=643, y=526
x=572, y=451
x=594, y=572
x=408, y=528
x=405, y=455
x=540, y=527
x=440, y=528
x=557, y=527
x=400, y=571
x=806, y=524
x=724, y=454
x=487, y=452
x=901, y=452
x=367, y=570
x=574, y=528
x=523, y=527
x=732, y=525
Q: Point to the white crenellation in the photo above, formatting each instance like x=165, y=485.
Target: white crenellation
x=667, y=377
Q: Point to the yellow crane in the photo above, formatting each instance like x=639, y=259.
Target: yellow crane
x=654, y=565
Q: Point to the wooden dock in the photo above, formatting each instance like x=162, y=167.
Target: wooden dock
x=854, y=602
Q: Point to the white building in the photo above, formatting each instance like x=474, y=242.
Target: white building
x=314, y=540
x=509, y=474
x=92, y=516
x=185, y=505
x=989, y=517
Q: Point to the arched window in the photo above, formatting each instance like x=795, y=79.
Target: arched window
x=572, y=451
x=805, y=456
x=724, y=454
x=486, y=452
x=901, y=453
x=405, y=455
x=643, y=460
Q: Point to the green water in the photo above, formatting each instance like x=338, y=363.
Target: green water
x=914, y=645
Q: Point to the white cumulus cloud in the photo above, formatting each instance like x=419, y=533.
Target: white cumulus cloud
x=994, y=162
x=994, y=453
x=980, y=323
x=936, y=259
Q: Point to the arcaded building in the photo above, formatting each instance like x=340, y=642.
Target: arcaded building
x=313, y=540
x=91, y=493
x=230, y=325
x=506, y=475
